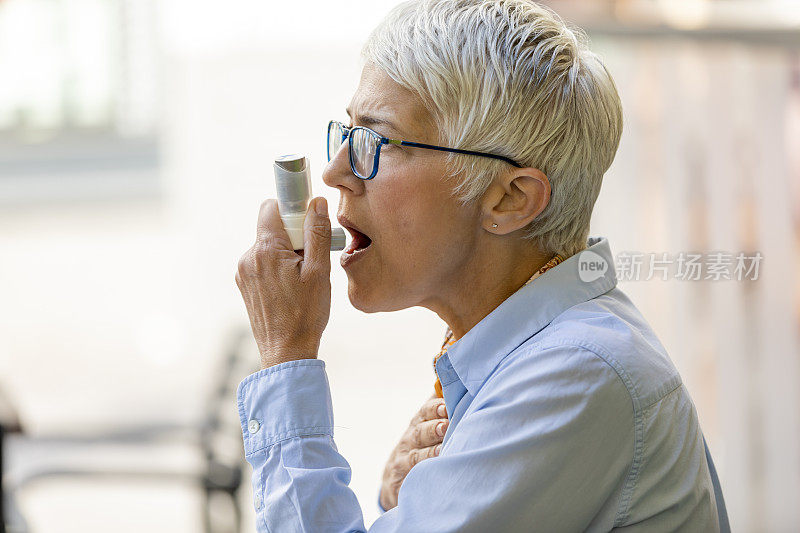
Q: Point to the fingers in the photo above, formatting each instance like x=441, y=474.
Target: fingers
x=317, y=236
x=269, y=230
x=433, y=408
x=397, y=469
x=416, y=456
x=422, y=440
x=428, y=433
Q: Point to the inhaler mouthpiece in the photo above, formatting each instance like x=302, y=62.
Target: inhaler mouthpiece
x=293, y=185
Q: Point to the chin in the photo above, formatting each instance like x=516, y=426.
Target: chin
x=364, y=300
x=373, y=299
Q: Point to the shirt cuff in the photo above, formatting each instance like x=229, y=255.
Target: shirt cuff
x=291, y=399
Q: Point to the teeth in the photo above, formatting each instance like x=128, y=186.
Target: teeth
x=359, y=241
x=352, y=248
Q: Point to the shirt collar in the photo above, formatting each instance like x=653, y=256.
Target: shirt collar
x=579, y=278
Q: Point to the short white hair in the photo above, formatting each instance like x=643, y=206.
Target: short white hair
x=509, y=77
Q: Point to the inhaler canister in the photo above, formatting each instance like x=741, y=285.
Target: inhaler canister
x=293, y=185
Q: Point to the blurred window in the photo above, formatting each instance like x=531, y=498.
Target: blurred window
x=78, y=100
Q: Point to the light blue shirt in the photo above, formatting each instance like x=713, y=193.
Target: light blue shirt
x=566, y=414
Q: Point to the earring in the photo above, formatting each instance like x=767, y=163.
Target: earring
x=494, y=225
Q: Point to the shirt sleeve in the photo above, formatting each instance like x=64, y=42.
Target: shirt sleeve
x=539, y=447
x=300, y=481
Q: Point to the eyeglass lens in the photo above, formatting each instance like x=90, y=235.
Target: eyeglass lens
x=363, y=146
x=335, y=135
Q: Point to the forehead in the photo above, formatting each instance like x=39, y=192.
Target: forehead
x=379, y=97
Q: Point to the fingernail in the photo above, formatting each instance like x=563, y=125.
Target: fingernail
x=442, y=410
x=437, y=449
x=322, y=206
x=440, y=429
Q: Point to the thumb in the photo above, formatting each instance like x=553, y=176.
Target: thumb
x=317, y=236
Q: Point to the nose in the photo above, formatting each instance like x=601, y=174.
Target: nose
x=338, y=173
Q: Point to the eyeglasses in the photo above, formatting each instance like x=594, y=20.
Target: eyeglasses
x=365, y=148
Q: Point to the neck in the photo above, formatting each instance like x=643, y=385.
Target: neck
x=484, y=283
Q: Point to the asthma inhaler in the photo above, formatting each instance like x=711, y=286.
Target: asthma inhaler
x=293, y=184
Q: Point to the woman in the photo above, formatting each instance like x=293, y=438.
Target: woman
x=479, y=136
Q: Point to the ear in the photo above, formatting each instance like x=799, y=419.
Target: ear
x=514, y=199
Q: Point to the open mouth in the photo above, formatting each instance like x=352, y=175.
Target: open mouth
x=360, y=240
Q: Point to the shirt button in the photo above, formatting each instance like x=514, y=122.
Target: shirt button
x=258, y=501
x=253, y=426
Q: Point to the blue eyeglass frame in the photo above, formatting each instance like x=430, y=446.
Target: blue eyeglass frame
x=347, y=132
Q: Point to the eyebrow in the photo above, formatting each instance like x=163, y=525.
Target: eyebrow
x=370, y=121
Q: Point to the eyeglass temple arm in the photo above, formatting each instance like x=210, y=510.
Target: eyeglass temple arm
x=384, y=140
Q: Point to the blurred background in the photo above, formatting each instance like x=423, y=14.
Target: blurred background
x=136, y=143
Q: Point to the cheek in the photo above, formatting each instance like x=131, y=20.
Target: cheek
x=420, y=224
x=408, y=215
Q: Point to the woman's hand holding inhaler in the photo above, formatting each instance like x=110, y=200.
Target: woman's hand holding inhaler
x=288, y=295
